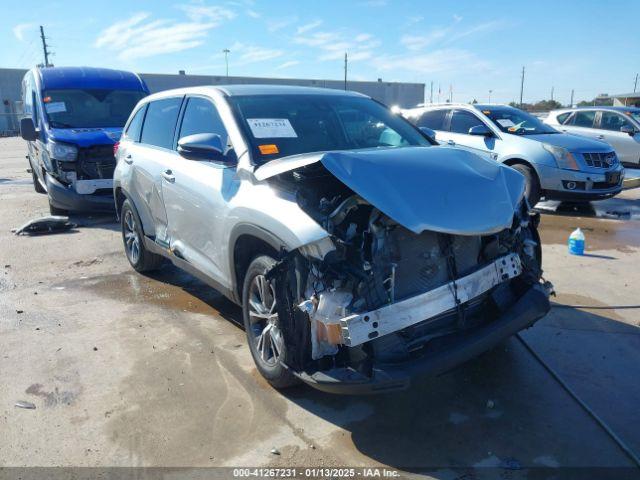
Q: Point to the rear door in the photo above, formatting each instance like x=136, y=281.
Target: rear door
x=582, y=122
x=149, y=159
x=197, y=193
x=627, y=147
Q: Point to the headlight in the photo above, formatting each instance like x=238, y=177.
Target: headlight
x=62, y=151
x=564, y=158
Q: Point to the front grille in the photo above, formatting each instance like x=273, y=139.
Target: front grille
x=600, y=160
x=96, y=162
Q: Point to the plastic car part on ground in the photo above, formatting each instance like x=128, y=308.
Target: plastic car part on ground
x=45, y=225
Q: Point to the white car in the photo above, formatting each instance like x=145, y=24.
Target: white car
x=618, y=126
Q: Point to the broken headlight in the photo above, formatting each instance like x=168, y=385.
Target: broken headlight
x=62, y=152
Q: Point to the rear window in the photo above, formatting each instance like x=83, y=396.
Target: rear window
x=160, y=122
x=135, y=125
x=563, y=117
x=584, y=119
x=433, y=119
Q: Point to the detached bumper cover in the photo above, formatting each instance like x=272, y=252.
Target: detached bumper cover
x=531, y=306
x=67, y=198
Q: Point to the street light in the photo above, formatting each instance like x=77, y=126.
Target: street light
x=490, y=92
x=226, y=52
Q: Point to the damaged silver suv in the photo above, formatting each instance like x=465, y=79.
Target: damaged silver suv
x=362, y=255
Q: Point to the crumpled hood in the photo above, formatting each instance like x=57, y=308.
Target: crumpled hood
x=85, y=137
x=573, y=143
x=425, y=188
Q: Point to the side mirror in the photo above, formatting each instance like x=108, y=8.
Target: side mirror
x=628, y=130
x=202, y=146
x=481, y=131
x=428, y=132
x=28, y=130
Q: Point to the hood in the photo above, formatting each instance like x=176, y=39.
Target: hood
x=573, y=143
x=424, y=188
x=85, y=137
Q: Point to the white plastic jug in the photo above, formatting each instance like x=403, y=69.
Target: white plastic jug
x=576, y=242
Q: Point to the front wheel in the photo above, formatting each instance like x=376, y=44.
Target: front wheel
x=532, y=186
x=141, y=259
x=261, y=324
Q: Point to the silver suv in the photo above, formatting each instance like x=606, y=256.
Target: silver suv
x=557, y=166
x=361, y=254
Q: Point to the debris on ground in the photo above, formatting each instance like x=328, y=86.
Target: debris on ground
x=25, y=404
x=45, y=225
x=275, y=451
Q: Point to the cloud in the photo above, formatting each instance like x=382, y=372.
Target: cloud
x=374, y=3
x=243, y=54
x=252, y=13
x=438, y=61
x=447, y=35
x=308, y=26
x=20, y=29
x=288, y=64
x=139, y=36
x=279, y=24
x=332, y=45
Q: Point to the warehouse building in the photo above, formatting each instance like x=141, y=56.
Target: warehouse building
x=389, y=93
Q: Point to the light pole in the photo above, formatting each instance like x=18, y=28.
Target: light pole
x=490, y=92
x=226, y=52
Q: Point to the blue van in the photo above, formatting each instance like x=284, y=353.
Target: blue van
x=73, y=117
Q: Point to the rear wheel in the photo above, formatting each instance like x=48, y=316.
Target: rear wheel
x=141, y=259
x=532, y=186
x=261, y=324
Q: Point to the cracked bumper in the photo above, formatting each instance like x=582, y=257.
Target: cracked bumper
x=67, y=198
x=529, y=308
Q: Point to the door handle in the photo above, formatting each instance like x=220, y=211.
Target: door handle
x=168, y=176
x=128, y=159
x=451, y=142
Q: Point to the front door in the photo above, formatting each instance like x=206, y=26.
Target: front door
x=461, y=122
x=627, y=147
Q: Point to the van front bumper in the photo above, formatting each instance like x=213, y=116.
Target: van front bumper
x=462, y=346
x=66, y=198
x=560, y=184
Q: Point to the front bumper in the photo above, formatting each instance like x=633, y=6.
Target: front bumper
x=588, y=185
x=66, y=198
x=530, y=307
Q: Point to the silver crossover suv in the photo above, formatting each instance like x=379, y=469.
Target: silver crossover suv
x=361, y=255
x=557, y=166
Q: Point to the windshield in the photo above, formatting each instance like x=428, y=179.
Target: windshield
x=635, y=115
x=282, y=125
x=517, y=122
x=89, y=108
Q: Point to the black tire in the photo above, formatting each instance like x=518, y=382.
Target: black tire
x=532, y=187
x=273, y=368
x=141, y=259
x=57, y=211
x=37, y=186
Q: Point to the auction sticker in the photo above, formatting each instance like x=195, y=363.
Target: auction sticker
x=55, y=107
x=271, y=128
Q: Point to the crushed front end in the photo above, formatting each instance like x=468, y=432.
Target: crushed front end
x=375, y=304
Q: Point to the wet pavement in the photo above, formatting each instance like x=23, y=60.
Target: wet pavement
x=132, y=370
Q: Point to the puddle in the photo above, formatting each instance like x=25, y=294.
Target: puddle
x=600, y=234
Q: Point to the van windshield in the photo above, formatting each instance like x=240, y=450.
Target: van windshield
x=76, y=108
x=282, y=125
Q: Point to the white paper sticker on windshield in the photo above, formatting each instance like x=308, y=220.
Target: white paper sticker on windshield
x=505, y=122
x=271, y=128
x=55, y=107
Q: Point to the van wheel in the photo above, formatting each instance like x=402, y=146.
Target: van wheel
x=141, y=259
x=36, y=183
x=261, y=324
x=532, y=185
x=57, y=211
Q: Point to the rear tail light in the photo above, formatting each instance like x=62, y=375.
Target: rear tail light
x=115, y=148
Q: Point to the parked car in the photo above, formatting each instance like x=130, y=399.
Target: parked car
x=73, y=118
x=557, y=166
x=361, y=254
x=618, y=126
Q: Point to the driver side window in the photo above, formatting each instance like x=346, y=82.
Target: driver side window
x=613, y=121
x=462, y=121
x=201, y=116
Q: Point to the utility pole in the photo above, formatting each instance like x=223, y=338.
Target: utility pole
x=45, y=47
x=521, y=86
x=571, y=103
x=226, y=52
x=635, y=84
x=345, y=70
x=490, y=92
x=431, y=94
x=552, y=93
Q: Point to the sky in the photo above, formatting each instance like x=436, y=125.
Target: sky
x=468, y=47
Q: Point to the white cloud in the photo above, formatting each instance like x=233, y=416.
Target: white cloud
x=253, y=13
x=139, y=36
x=288, y=64
x=374, y=3
x=279, y=24
x=308, y=26
x=332, y=45
x=20, y=29
x=446, y=35
x=438, y=61
x=242, y=54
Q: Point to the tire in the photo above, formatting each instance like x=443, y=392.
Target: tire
x=532, y=187
x=141, y=259
x=261, y=325
x=57, y=211
x=37, y=186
